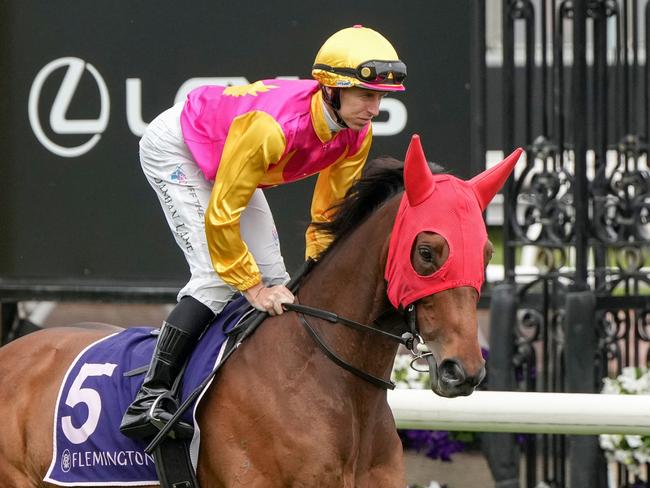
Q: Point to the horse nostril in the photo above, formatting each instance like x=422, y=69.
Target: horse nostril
x=451, y=372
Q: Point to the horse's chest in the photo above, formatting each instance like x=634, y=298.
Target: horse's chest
x=309, y=457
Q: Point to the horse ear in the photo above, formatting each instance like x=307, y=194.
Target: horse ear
x=490, y=181
x=418, y=180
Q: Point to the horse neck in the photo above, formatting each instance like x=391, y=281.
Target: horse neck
x=350, y=282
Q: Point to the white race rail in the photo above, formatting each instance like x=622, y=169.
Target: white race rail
x=501, y=411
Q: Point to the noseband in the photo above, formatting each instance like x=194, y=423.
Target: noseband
x=410, y=339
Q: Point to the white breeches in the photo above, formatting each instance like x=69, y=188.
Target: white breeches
x=184, y=194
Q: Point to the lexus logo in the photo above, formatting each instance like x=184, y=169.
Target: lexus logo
x=75, y=68
x=58, y=121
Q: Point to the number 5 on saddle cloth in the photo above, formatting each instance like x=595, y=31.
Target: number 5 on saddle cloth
x=88, y=447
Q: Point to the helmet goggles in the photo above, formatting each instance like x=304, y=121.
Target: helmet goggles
x=372, y=72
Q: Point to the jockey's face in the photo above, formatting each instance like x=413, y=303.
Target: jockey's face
x=359, y=106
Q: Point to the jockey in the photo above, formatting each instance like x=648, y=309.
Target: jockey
x=207, y=160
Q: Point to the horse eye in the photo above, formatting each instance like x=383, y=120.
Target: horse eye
x=426, y=254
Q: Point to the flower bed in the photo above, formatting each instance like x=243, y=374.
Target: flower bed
x=632, y=451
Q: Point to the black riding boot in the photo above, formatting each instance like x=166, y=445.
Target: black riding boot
x=174, y=345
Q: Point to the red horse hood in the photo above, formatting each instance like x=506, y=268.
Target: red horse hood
x=447, y=206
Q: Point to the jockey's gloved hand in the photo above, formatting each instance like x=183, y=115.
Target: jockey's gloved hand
x=269, y=299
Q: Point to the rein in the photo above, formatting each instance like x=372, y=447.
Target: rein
x=407, y=339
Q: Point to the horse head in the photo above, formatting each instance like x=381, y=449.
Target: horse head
x=437, y=256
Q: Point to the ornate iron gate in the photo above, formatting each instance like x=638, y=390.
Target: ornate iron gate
x=576, y=95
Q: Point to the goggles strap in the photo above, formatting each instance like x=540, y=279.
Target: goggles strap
x=372, y=69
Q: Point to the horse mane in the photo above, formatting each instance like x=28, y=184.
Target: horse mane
x=381, y=179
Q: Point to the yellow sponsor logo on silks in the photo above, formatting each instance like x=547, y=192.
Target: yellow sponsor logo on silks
x=252, y=89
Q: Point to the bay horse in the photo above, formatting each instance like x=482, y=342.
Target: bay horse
x=282, y=413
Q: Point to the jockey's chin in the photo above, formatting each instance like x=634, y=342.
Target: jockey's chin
x=357, y=124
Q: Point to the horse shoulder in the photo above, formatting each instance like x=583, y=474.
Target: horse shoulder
x=254, y=415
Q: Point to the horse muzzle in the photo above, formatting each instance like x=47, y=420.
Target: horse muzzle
x=450, y=379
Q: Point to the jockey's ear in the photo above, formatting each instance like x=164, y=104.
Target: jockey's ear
x=418, y=180
x=489, y=182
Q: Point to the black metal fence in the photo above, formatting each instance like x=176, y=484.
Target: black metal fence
x=575, y=90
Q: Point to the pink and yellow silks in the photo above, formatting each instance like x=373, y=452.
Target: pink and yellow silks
x=259, y=135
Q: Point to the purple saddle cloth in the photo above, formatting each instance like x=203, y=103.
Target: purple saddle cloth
x=89, y=449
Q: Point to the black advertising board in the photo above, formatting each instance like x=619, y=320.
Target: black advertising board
x=81, y=79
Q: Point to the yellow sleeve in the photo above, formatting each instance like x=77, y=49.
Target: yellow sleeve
x=331, y=185
x=255, y=141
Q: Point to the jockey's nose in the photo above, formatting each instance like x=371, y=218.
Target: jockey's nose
x=374, y=107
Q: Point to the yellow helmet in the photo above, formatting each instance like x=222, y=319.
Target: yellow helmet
x=362, y=57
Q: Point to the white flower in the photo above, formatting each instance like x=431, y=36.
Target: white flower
x=630, y=450
x=402, y=361
x=633, y=441
x=631, y=385
x=623, y=457
x=628, y=372
x=642, y=456
x=406, y=377
x=606, y=442
x=612, y=387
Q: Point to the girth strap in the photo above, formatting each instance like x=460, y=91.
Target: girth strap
x=173, y=464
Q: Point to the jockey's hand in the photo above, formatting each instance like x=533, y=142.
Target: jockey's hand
x=269, y=299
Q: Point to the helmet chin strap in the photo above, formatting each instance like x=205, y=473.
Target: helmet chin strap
x=334, y=101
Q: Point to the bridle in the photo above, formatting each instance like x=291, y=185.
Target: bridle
x=410, y=339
